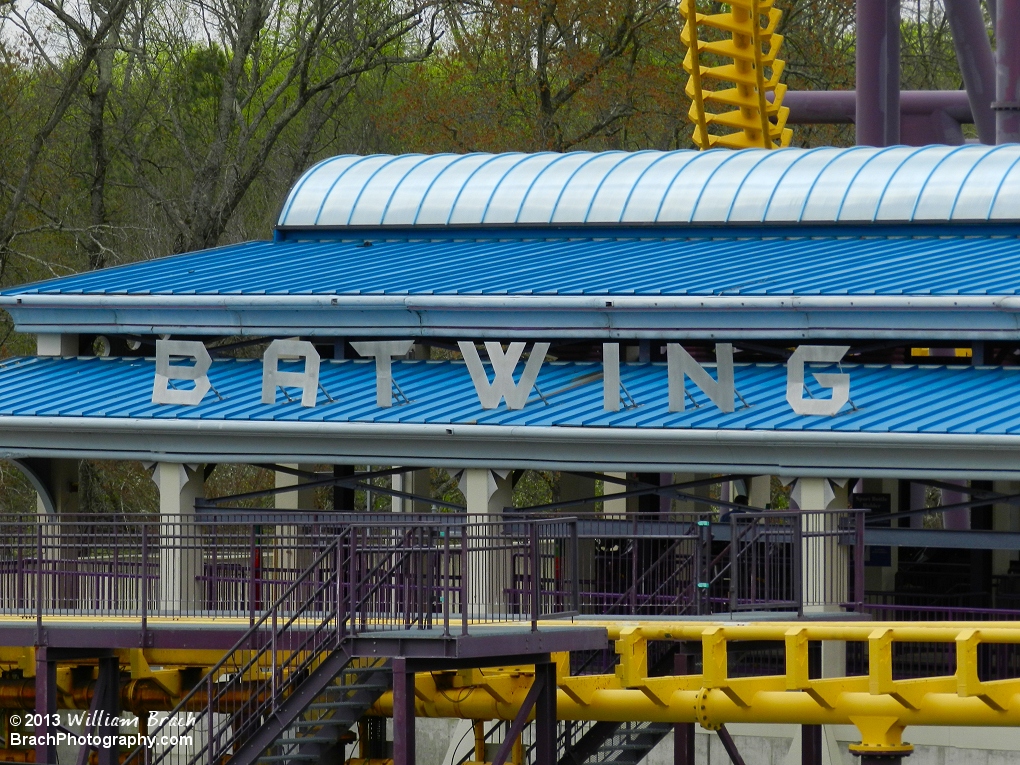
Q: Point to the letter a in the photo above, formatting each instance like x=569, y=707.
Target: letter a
x=273, y=378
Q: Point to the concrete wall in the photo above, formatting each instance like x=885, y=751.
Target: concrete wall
x=443, y=742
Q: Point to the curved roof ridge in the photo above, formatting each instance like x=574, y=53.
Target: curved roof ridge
x=900, y=183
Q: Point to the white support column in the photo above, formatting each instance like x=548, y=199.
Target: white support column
x=486, y=492
x=576, y=487
x=614, y=506
x=180, y=544
x=56, y=345
x=490, y=563
x=417, y=482
x=289, y=558
x=759, y=491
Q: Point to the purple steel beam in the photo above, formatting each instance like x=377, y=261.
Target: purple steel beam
x=878, y=72
x=974, y=55
x=1007, y=83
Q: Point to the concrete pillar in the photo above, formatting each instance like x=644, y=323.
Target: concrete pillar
x=878, y=72
x=291, y=556
x=1007, y=71
x=417, y=482
x=614, y=506
x=491, y=574
x=576, y=487
x=824, y=561
x=56, y=345
x=759, y=491
x=486, y=492
x=824, y=568
x=180, y=544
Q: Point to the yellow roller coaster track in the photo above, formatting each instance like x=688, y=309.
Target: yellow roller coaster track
x=741, y=116
x=879, y=706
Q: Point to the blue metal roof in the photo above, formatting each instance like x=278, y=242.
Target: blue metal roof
x=952, y=401
x=931, y=183
x=756, y=263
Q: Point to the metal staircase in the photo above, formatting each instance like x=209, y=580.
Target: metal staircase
x=316, y=736
x=291, y=687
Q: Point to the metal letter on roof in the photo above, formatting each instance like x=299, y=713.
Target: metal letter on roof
x=840, y=383
x=163, y=392
x=273, y=378
x=503, y=366
x=611, y=377
x=383, y=352
x=680, y=365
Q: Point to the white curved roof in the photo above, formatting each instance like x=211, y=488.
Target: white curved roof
x=902, y=183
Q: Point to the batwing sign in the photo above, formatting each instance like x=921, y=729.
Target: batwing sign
x=188, y=360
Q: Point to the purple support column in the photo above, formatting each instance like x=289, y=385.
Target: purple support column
x=109, y=706
x=45, y=706
x=1007, y=68
x=403, y=713
x=958, y=520
x=683, y=733
x=878, y=72
x=545, y=715
x=811, y=744
x=974, y=54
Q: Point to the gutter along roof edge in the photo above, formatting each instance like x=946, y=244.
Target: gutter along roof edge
x=688, y=436
x=999, y=302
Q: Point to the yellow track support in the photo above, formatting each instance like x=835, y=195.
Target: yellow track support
x=749, y=44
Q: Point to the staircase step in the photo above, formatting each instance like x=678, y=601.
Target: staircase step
x=305, y=740
x=339, y=704
x=329, y=722
x=282, y=757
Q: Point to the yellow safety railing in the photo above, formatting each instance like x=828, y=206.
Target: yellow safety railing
x=741, y=116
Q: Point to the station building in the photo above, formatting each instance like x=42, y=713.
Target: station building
x=777, y=388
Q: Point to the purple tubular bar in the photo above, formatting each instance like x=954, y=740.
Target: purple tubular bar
x=878, y=72
x=1007, y=85
x=974, y=55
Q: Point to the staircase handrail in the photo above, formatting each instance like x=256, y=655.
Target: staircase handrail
x=242, y=642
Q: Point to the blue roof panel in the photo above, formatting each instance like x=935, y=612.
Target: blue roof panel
x=884, y=399
x=751, y=264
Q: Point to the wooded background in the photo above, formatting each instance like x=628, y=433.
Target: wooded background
x=134, y=129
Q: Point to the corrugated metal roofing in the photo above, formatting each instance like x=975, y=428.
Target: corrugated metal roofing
x=886, y=399
x=931, y=183
x=757, y=265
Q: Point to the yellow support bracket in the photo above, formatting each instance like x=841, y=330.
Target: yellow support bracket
x=750, y=46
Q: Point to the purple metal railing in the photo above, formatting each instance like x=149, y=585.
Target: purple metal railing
x=636, y=564
x=182, y=565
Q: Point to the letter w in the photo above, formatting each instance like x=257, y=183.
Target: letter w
x=503, y=367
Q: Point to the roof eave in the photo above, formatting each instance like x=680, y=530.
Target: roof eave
x=800, y=453
x=991, y=317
